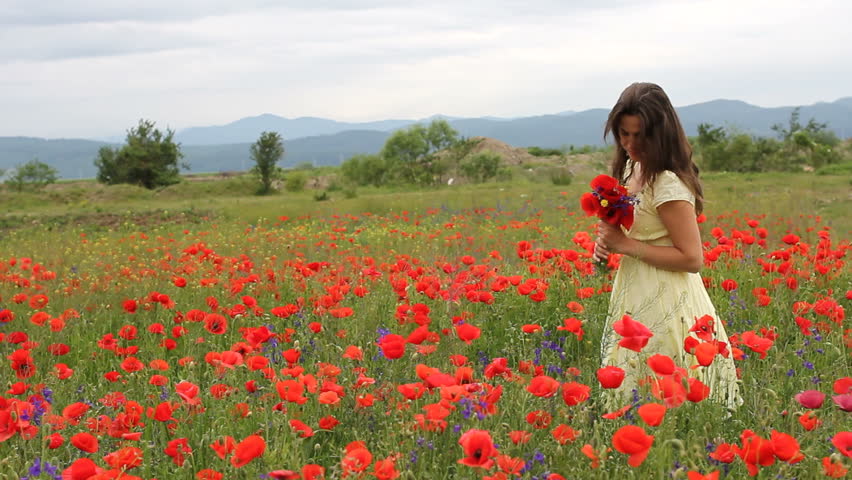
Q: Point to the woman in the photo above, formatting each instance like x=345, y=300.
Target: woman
x=657, y=283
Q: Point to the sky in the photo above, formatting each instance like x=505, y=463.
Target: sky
x=93, y=68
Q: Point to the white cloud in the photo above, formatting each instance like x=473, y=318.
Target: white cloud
x=92, y=68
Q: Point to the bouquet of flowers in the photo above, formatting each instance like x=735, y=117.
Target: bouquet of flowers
x=609, y=201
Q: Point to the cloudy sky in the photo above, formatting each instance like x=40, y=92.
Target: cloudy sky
x=93, y=68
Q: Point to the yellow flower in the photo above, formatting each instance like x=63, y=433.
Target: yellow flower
x=604, y=202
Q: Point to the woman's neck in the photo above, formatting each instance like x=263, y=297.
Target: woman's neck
x=635, y=182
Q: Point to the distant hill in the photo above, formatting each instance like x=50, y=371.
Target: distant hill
x=329, y=142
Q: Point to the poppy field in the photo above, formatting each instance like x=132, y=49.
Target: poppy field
x=433, y=343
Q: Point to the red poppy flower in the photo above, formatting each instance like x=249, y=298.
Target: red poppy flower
x=809, y=420
x=756, y=343
x=85, y=441
x=725, y=453
x=755, y=451
x=38, y=301
x=785, y=447
x=635, y=334
x=589, y=452
x=132, y=364
x=392, y=346
x=302, y=428
x=129, y=305
x=22, y=364
x=208, y=474
x=520, y=436
x=543, y=386
x=661, y=364
x=632, y=440
x=356, y=459
x=705, y=353
x=539, y=419
x=223, y=446
x=58, y=349
x=509, y=465
x=478, y=449
x=574, y=393
x=353, y=352
x=291, y=391
x=652, y=413
x=574, y=326
x=697, y=390
x=250, y=448
x=81, y=469
x=385, y=469
x=313, y=472
x=790, y=239
x=467, y=332
x=531, y=328
x=124, y=459
x=610, y=376
x=842, y=385
x=564, y=434
x=74, y=412
x=843, y=442
x=62, y=371
x=833, y=469
x=618, y=413
x=56, y=440
x=215, y=323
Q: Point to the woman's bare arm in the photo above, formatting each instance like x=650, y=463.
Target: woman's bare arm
x=685, y=254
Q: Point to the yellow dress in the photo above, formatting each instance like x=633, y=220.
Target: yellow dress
x=666, y=302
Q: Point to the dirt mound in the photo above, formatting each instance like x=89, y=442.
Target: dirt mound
x=575, y=162
x=510, y=155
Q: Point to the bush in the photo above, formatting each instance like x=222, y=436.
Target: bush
x=844, y=168
x=149, y=158
x=561, y=176
x=544, y=152
x=295, y=182
x=33, y=174
x=481, y=167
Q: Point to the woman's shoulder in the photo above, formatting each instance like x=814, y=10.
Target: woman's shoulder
x=668, y=187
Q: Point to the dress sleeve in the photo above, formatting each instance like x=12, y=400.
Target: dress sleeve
x=669, y=187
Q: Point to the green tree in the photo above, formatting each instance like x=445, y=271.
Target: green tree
x=34, y=174
x=481, y=167
x=411, y=154
x=810, y=144
x=365, y=170
x=711, y=143
x=266, y=152
x=149, y=158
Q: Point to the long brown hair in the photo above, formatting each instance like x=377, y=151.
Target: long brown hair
x=664, y=143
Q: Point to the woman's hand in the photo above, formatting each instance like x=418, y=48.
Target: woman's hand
x=610, y=240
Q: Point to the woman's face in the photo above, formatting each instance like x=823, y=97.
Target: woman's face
x=630, y=136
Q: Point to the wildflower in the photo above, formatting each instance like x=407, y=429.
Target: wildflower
x=635, y=334
x=652, y=413
x=811, y=399
x=250, y=448
x=632, y=440
x=478, y=448
x=610, y=376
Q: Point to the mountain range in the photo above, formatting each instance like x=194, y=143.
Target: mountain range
x=323, y=141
